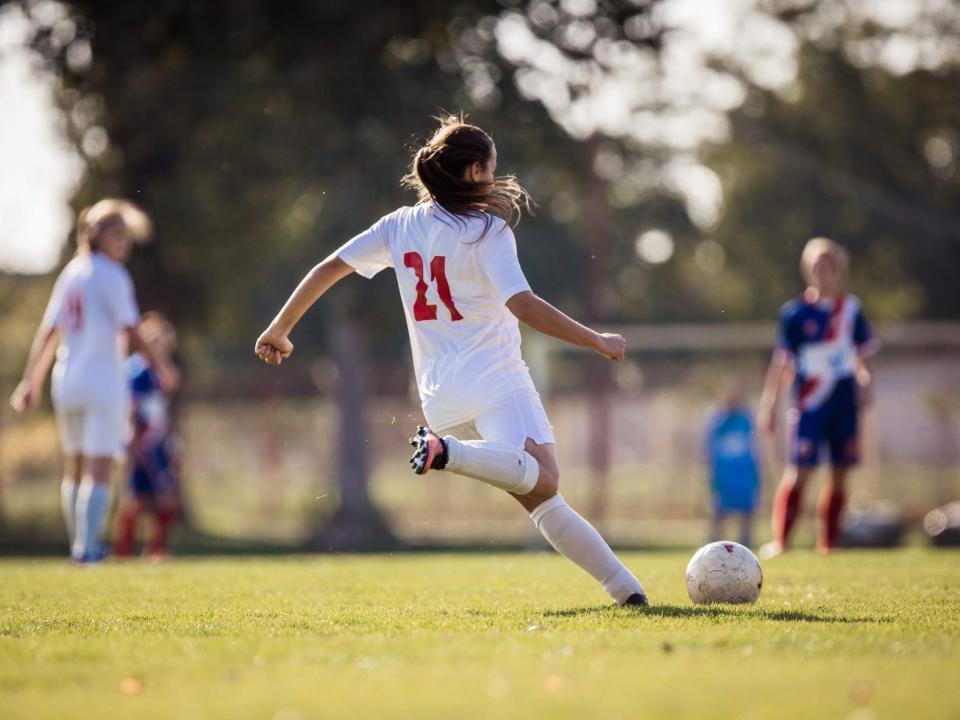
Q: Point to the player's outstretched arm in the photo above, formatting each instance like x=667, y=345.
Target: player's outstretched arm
x=28, y=391
x=779, y=376
x=273, y=346
x=545, y=318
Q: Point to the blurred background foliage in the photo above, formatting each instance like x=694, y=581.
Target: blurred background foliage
x=262, y=135
x=680, y=152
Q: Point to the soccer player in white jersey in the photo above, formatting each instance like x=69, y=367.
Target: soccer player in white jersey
x=463, y=292
x=91, y=318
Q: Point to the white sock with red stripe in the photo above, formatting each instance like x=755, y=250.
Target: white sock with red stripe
x=578, y=541
x=497, y=464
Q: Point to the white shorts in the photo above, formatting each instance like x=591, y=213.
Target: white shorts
x=511, y=420
x=99, y=430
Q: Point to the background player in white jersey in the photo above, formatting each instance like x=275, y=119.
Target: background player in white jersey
x=92, y=316
x=463, y=292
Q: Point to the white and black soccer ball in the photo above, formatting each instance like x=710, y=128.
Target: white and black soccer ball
x=724, y=572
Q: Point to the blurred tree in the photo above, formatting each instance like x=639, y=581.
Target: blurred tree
x=771, y=121
x=260, y=136
x=859, y=155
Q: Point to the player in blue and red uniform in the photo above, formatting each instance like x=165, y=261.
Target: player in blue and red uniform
x=824, y=342
x=152, y=467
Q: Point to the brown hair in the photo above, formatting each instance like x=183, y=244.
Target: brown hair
x=437, y=168
x=93, y=220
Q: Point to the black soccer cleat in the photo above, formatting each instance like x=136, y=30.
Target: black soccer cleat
x=430, y=452
x=637, y=599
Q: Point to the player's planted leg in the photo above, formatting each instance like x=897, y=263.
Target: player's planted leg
x=531, y=475
x=572, y=536
x=93, y=502
x=68, y=494
x=126, y=526
x=830, y=510
x=577, y=540
x=165, y=514
x=786, y=509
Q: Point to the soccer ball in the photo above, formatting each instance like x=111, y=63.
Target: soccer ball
x=724, y=572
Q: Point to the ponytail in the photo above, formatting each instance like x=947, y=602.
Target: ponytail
x=437, y=173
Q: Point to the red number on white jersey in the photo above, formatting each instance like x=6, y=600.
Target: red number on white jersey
x=74, y=307
x=422, y=310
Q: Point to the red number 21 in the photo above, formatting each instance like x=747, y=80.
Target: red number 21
x=422, y=310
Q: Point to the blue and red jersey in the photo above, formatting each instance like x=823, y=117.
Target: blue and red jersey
x=823, y=339
x=153, y=472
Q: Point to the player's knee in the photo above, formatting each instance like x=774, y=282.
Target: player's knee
x=548, y=483
x=73, y=468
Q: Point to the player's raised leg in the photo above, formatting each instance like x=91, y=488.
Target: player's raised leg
x=498, y=464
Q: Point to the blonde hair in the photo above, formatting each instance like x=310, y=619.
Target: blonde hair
x=93, y=220
x=818, y=246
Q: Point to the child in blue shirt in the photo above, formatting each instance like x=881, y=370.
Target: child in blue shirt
x=731, y=458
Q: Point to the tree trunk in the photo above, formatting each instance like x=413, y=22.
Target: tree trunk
x=597, y=214
x=357, y=525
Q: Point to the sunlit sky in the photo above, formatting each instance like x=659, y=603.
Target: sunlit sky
x=675, y=101
x=40, y=169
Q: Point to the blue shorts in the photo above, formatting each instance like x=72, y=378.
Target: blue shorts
x=153, y=474
x=834, y=422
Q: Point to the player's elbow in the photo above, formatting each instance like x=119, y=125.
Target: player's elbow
x=524, y=306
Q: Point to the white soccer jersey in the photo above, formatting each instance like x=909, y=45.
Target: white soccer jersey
x=454, y=286
x=92, y=302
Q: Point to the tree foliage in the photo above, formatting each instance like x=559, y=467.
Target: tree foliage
x=262, y=135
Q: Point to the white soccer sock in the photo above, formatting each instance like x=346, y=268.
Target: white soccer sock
x=497, y=464
x=68, y=505
x=93, y=500
x=577, y=540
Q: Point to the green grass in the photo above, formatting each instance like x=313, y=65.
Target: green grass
x=476, y=636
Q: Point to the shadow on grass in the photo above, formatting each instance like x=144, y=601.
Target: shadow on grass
x=714, y=611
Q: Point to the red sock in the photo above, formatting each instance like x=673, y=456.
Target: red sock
x=786, y=509
x=829, y=511
x=126, y=527
x=164, y=519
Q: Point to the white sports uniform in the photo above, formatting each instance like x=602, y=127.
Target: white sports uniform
x=465, y=343
x=466, y=354
x=92, y=302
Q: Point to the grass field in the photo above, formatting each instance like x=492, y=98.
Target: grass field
x=859, y=635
